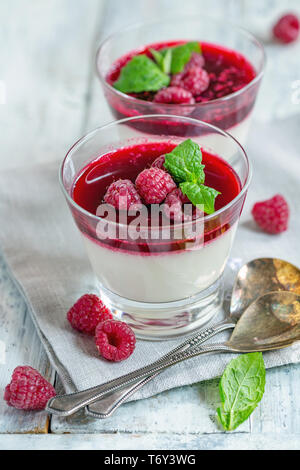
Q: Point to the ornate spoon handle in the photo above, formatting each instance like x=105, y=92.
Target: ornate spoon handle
x=108, y=404
x=65, y=405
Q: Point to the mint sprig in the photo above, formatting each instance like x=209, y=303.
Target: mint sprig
x=184, y=163
x=141, y=74
x=241, y=388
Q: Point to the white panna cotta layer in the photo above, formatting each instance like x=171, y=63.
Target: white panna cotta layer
x=160, y=277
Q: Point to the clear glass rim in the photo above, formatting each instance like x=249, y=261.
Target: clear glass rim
x=138, y=25
x=90, y=134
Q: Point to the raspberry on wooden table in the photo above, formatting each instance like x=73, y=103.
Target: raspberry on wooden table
x=122, y=195
x=272, y=215
x=87, y=312
x=174, y=95
x=28, y=390
x=154, y=184
x=115, y=340
x=287, y=28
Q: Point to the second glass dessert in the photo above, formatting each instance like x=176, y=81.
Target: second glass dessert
x=216, y=81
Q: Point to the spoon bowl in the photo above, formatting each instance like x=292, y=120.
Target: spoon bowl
x=270, y=322
x=260, y=276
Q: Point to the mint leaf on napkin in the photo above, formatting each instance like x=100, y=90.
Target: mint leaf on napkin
x=141, y=74
x=184, y=164
x=241, y=388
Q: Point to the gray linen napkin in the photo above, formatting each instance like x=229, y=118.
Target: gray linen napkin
x=47, y=260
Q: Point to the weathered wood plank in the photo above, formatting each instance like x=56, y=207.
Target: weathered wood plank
x=21, y=347
x=280, y=407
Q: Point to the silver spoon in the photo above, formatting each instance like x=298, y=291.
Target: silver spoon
x=253, y=279
x=270, y=322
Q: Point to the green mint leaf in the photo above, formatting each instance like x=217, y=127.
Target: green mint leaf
x=241, y=388
x=141, y=74
x=200, y=195
x=184, y=162
x=182, y=54
x=175, y=166
x=163, y=60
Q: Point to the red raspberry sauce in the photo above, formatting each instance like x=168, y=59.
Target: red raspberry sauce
x=217, y=60
x=127, y=163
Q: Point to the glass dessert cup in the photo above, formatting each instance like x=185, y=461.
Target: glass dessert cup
x=169, y=281
x=231, y=112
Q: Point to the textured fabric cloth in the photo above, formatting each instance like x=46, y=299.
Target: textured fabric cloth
x=46, y=257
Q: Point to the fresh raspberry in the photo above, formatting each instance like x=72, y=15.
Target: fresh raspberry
x=115, y=340
x=173, y=205
x=272, y=215
x=122, y=195
x=28, y=390
x=177, y=79
x=154, y=184
x=173, y=95
x=196, y=80
x=287, y=28
x=87, y=312
x=196, y=60
x=159, y=162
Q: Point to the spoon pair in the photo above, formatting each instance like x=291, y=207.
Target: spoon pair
x=253, y=280
x=270, y=321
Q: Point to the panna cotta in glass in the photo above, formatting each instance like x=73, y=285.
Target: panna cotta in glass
x=158, y=216
x=198, y=68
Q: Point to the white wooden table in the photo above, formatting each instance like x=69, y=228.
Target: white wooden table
x=50, y=97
